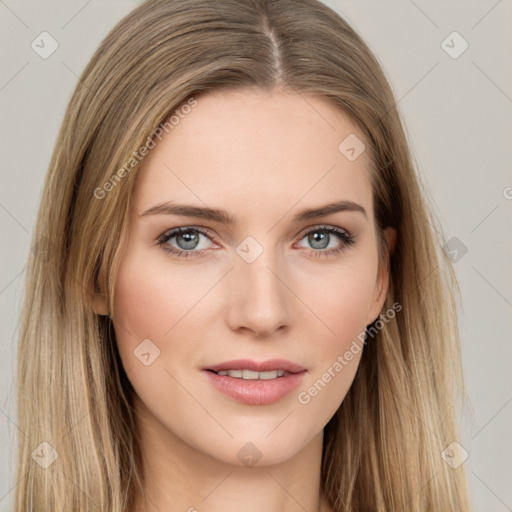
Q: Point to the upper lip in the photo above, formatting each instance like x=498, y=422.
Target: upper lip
x=257, y=366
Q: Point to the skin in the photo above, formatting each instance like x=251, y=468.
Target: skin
x=262, y=157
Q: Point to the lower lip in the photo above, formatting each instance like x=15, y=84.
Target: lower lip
x=255, y=392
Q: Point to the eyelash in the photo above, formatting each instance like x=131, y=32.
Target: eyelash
x=346, y=238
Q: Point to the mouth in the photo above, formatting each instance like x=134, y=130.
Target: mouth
x=246, y=374
x=255, y=383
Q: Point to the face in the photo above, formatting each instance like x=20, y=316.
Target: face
x=288, y=294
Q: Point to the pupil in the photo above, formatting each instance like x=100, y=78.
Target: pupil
x=319, y=237
x=190, y=240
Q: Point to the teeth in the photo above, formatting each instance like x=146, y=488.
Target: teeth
x=252, y=375
x=268, y=375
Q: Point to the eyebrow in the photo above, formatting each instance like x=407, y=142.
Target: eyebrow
x=222, y=216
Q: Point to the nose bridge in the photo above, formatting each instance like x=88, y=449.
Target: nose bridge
x=260, y=298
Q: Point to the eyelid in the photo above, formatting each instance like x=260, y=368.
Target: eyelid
x=171, y=233
x=210, y=234
x=312, y=227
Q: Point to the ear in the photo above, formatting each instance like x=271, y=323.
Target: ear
x=99, y=300
x=382, y=282
x=100, y=305
x=391, y=236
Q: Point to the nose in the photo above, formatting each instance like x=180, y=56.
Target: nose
x=258, y=296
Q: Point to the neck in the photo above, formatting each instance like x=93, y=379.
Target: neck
x=177, y=477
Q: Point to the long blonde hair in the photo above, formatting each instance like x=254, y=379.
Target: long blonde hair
x=382, y=449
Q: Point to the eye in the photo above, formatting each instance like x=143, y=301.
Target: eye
x=187, y=239
x=320, y=239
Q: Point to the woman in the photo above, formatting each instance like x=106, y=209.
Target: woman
x=236, y=299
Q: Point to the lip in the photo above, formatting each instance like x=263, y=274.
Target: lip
x=257, y=366
x=256, y=392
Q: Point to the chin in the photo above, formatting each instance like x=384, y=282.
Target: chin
x=256, y=450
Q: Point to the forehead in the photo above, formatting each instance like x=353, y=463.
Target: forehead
x=253, y=151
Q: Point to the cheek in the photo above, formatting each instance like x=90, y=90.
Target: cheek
x=342, y=305
x=341, y=299
x=164, y=306
x=153, y=311
x=146, y=308
x=150, y=302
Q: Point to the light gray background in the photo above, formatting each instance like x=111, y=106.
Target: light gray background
x=458, y=116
